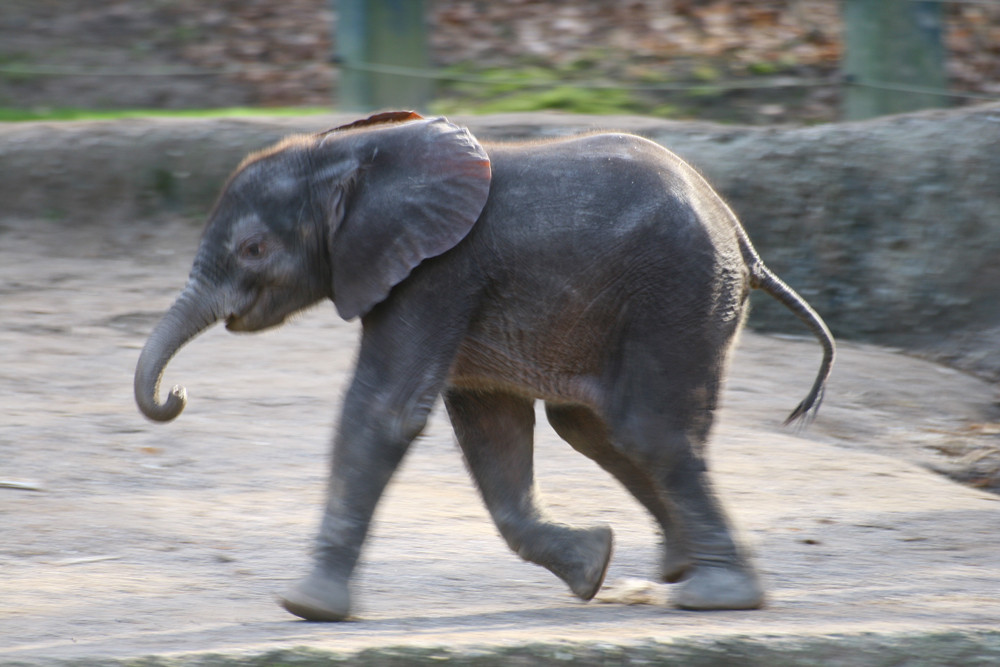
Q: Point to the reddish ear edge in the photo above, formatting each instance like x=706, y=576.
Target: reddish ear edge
x=377, y=119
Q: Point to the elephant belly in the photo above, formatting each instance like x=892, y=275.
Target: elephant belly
x=550, y=360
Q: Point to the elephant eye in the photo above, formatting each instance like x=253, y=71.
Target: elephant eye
x=253, y=249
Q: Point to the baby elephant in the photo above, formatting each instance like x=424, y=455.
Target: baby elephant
x=600, y=274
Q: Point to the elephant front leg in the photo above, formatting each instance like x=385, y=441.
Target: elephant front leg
x=495, y=431
x=407, y=346
x=368, y=448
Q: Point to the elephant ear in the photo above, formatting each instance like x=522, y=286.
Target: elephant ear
x=402, y=192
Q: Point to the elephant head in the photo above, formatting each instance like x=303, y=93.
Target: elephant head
x=346, y=214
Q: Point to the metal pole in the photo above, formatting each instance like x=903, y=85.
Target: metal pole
x=381, y=33
x=894, y=55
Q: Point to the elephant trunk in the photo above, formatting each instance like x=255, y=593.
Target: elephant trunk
x=191, y=314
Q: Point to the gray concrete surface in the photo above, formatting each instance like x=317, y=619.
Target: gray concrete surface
x=124, y=539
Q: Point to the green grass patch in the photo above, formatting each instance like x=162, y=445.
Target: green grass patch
x=568, y=98
x=763, y=68
x=528, y=87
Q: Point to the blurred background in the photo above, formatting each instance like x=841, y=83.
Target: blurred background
x=130, y=538
x=734, y=61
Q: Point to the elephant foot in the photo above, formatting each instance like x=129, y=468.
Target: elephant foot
x=674, y=564
x=716, y=586
x=318, y=597
x=587, y=562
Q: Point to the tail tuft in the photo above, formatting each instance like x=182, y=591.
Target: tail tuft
x=806, y=410
x=765, y=280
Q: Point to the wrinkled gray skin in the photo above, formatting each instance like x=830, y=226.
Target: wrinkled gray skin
x=599, y=274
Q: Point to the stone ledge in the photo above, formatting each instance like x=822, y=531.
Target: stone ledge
x=888, y=227
x=932, y=649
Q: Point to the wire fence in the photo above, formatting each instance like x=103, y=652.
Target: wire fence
x=149, y=72
x=993, y=3
x=443, y=75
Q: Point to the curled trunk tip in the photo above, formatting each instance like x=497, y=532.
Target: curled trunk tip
x=166, y=411
x=147, y=392
x=190, y=315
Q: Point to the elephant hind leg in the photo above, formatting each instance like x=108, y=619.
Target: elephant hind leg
x=721, y=575
x=586, y=432
x=661, y=423
x=496, y=433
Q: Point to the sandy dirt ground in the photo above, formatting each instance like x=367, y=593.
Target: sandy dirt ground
x=123, y=538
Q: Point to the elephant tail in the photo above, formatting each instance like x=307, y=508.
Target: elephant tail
x=762, y=278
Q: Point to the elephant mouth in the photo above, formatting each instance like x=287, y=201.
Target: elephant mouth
x=242, y=316
x=251, y=320
x=240, y=324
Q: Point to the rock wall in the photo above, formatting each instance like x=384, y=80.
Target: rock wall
x=890, y=227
